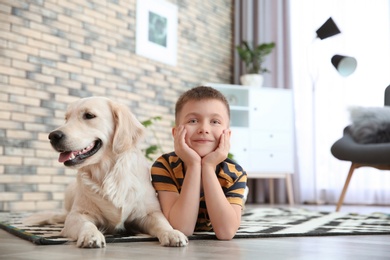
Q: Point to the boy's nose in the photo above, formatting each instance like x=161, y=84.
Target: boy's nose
x=203, y=129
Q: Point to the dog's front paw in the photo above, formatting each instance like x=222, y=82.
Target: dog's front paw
x=91, y=239
x=173, y=238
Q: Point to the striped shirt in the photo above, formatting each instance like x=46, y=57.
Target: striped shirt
x=168, y=175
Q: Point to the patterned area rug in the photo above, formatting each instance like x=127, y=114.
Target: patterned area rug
x=256, y=223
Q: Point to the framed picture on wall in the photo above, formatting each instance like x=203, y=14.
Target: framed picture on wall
x=156, y=30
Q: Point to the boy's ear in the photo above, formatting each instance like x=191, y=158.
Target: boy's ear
x=173, y=130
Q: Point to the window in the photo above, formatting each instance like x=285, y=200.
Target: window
x=323, y=95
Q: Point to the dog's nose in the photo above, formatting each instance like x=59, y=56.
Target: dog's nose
x=56, y=136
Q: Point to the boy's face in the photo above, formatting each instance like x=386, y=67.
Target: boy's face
x=204, y=121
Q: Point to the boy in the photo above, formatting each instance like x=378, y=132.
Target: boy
x=198, y=187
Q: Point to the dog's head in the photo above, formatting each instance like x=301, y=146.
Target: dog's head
x=95, y=127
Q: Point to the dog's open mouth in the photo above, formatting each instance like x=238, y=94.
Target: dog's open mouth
x=71, y=158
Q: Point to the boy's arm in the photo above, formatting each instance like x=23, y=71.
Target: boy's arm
x=225, y=217
x=181, y=210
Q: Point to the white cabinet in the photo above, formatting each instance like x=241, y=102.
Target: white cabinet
x=262, y=124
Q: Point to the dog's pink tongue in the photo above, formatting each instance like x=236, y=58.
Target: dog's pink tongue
x=64, y=156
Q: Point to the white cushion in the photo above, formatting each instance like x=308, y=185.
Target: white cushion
x=370, y=124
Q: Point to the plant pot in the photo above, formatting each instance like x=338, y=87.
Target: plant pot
x=255, y=80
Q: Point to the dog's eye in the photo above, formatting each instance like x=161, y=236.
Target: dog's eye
x=88, y=116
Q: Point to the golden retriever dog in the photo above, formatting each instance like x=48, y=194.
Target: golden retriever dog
x=113, y=190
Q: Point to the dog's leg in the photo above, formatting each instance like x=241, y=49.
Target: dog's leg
x=48, y=218
x=80, y=227
x=157, y=225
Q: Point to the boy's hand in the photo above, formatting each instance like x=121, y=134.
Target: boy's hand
x=221, y=152
x=186, y=154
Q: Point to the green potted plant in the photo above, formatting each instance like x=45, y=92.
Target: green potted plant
x=153, y=148
x=254, y=59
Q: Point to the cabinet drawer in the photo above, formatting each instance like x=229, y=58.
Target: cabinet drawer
x=239, y=138
x=271, y=140
x=270, y=161
x=271, y=109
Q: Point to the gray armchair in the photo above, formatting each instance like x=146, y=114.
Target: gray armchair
x=375, y=155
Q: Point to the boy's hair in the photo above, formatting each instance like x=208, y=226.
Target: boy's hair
x=200, y=93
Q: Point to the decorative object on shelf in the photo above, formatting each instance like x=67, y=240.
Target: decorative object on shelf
x=254, y=59
x=255, y=80
x=156, y=30
x=232, y=99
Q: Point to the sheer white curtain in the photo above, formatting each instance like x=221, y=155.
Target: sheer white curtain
x=260, y=21
x=365, y=35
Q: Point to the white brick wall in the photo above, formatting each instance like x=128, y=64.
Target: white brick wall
x=54, y=52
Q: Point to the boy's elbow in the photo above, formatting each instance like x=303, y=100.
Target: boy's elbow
x=188, y=231
x=225, y=234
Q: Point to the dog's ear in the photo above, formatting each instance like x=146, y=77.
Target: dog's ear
x=128, y=130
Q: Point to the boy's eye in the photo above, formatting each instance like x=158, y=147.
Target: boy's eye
x=215, y=122
x=192, y=121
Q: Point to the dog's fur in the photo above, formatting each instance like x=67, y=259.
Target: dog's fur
x=113, y=190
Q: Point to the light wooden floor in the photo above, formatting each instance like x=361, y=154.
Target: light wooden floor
x=337, y=247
